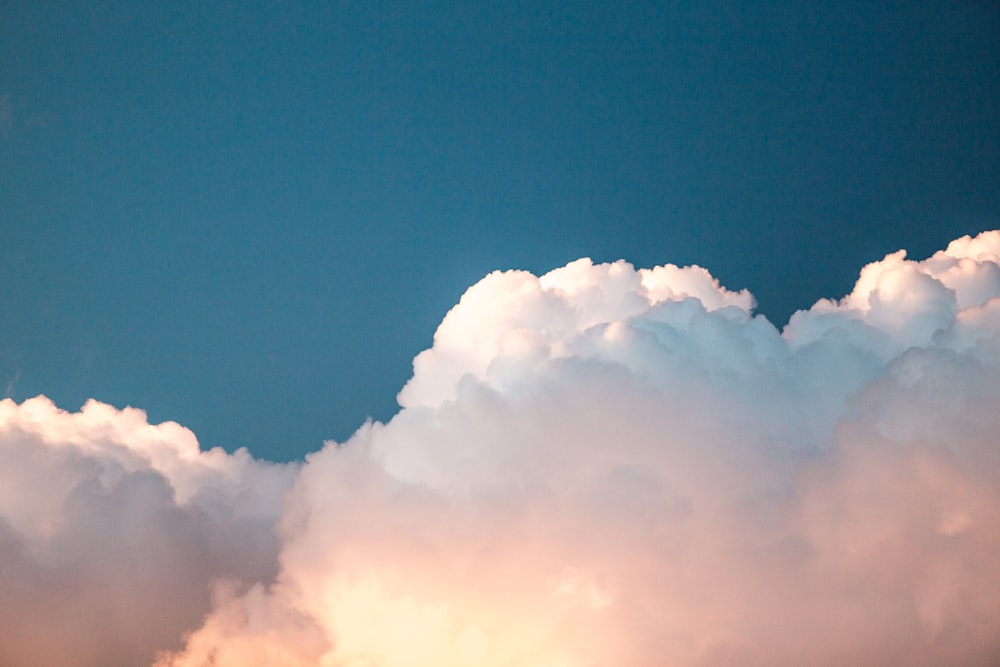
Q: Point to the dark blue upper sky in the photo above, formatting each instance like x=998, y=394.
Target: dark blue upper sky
x=249, y=217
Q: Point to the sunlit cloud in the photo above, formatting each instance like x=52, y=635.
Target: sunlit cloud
x=113, y=532
x=599, y=466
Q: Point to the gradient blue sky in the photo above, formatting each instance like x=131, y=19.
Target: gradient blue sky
x=250, y=219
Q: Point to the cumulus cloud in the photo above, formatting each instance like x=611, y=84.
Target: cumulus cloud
x=612, y=466
x=113, y=532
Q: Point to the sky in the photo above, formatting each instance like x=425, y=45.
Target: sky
x=552, y=335
x=249, y=218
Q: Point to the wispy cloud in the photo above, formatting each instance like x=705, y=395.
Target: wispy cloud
x=11, y=383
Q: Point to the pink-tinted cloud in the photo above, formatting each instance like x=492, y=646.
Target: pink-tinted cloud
x=611, y=466
x=112, y=532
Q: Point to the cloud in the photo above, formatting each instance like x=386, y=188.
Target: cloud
x=112, y=532
x=599, y=466
x=11, y=383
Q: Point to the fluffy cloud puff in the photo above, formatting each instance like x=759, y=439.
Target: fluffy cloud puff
x=113, y=532
x=611, y=466
x=608, y=466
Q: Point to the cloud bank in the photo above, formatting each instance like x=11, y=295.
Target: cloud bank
x=598, y=466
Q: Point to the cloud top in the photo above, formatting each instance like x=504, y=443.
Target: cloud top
x=598, y=466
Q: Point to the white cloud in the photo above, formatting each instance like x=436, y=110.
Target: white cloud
x=112, y=531
x=611, y=466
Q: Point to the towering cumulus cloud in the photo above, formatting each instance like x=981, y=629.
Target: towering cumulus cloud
x=601, y=466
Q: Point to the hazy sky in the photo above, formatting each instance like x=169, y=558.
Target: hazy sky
x=250, y=219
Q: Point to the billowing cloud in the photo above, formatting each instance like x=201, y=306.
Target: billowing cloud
x=605, y=466
x=113, y=533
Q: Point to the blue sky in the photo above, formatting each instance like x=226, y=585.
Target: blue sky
x=250, y=219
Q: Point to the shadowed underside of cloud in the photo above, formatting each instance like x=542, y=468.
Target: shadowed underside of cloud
x=599, y=466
